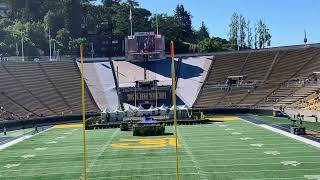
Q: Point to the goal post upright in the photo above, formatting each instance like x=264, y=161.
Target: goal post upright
x=83, y=115
x=174, y=107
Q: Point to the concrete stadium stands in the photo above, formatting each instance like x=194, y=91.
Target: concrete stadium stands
x=42, y=89
x=273, y=69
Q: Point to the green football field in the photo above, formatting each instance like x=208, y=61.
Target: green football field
x=229, y=150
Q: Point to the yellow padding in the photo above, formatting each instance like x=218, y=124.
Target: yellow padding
x=227, y=118
x=68, y=126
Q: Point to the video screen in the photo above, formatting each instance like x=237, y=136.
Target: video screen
x=145, y=43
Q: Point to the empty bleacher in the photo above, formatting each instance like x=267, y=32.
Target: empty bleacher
x=42, y=89
x=272, y=68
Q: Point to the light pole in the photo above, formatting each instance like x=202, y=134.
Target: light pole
x=49, y=45
x=22, y=47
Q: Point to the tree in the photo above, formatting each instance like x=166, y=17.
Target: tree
x=249, y=35
x=183, y=18
x=170, y=29
x=121, y=21
x=63, y=38
x=74, y=46
x=213, y=44
x=256, y=37
x=242, y=31
x=54, y=22
x=264, y=37
x=203, y=32
x=233, y=32
x=37, y=34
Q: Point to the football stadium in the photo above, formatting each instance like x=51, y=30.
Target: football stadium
x=146, y=105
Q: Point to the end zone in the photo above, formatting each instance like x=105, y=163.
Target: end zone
x=226, y=118
x=63, y=126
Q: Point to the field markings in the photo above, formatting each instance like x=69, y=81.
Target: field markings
x=284, y=133
x=315, y=177
x=275, y=153
x=299, y=138
x=197, y=143
x=257, y=145
x=11, y=165
x=56, y=156
x=52, y=142
x=271, y=178
x=3, y=146
x=257, y=171
x=290, y=163
x=26, y=156
x=194, y=161
x=134, y=175
x=60, y=137
x=106, y=145
x=41, y=148
x=163, y=167
x=199, y=150
x=146, y=169
x=246, y=138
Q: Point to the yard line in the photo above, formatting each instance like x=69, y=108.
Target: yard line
x=196, y=164
x=230, y=154
x=96, y=171
x=106, y=145
x=158, y=167
x=211, y=150
x=265, y=170
x=272, y=178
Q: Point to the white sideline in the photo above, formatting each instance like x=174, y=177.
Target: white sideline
x=20, y=139
x=299, y=138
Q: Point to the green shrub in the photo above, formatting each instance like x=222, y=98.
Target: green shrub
x=92, y=120
x=148, y=130
x=124, y=126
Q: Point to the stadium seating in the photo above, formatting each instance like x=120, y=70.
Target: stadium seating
x=272, y=68
x=46, y=88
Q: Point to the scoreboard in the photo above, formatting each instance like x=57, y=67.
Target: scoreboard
x=144, y=45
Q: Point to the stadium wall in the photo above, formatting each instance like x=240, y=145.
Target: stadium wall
x=267, y=112
x=44, y=121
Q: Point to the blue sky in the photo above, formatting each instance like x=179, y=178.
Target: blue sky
x=286, y=19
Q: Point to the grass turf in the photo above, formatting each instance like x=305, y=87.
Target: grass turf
x=274, y=120
x=213, y=151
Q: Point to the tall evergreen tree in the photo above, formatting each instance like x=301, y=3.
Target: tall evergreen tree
x=183, y=18
x=203, y=32
x=264, y=37
x=249, y=35
x=242, y=31
x=233, y=32
x=255, y=37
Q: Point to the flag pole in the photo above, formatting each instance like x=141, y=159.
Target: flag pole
x=174, y=107
x=83, y=116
